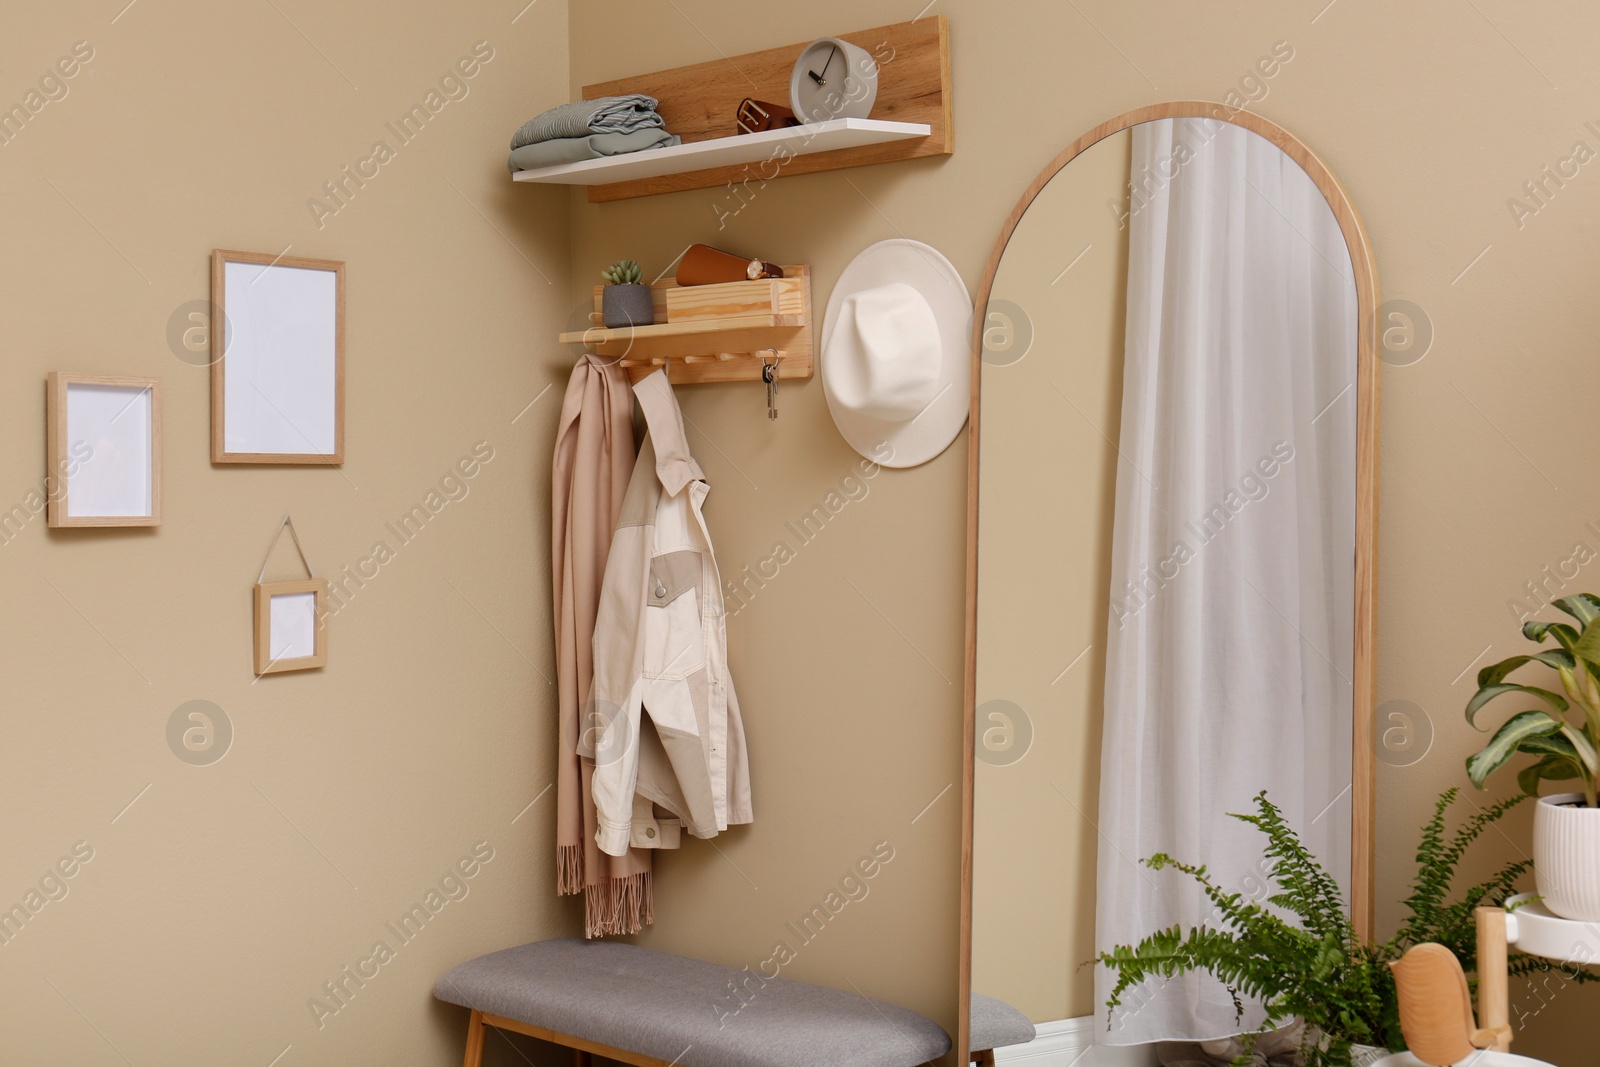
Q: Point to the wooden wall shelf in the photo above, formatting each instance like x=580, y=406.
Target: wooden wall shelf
x=834, y=135
x=699, y=103
x=729, y=348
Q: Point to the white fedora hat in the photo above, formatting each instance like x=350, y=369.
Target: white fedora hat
x=896, y=353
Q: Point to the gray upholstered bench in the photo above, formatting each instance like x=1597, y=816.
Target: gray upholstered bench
x=996, y=1024
x=651, y=1009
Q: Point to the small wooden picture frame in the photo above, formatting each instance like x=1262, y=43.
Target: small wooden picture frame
x=103, y=450
x=290, y=632
x=277, y=359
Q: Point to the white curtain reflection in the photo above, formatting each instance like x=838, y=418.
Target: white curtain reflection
x=1229, y=655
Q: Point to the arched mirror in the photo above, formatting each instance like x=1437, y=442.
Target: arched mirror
x=1173, y=499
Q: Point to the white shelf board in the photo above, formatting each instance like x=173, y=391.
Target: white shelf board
x=727, y=151
x=1534, y=929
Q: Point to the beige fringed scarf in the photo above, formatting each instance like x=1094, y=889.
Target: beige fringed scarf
x=594, y=459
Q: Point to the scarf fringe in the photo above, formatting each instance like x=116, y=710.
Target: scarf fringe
x=619, y=906
x=611, y=908
x=569, y=870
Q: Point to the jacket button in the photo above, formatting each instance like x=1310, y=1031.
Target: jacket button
x=650, y=831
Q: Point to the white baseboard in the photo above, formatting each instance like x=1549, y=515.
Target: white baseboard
x=1070, y=1043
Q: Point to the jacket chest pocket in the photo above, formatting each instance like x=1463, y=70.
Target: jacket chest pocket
x=674, y=640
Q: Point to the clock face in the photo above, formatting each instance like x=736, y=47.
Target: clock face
x=833, y=79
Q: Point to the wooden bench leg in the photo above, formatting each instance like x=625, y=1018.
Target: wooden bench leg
x=984, y=1058
x=580, y=1058
x=475, y=1036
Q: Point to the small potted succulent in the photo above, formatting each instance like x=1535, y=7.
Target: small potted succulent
x=625, y=301
x=1562, y=734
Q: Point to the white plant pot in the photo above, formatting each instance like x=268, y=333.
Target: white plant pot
x=1566, y=856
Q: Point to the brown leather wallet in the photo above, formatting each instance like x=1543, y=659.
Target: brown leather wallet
x=704, y=265
x=758, y=115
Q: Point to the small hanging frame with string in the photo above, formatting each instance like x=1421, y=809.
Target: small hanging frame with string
x=291, y=617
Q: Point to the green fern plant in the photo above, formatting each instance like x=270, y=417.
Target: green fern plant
x=1297, y=952
x=1565, y=749
x=622, y=272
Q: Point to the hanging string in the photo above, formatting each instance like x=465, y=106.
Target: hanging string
x=287, y=521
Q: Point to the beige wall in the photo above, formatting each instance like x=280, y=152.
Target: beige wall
x=1431, y=117
x=848, y=663
x=1049, y=477
x=215, y=905
x=226, y=895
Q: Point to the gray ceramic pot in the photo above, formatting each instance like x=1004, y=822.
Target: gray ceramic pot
x=626, y=305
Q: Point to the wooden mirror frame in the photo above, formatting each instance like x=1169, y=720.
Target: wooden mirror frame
x=1363, y=771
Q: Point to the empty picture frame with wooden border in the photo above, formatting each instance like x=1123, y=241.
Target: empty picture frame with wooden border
x=277, y=359
x=290, y=632
x=103, y=450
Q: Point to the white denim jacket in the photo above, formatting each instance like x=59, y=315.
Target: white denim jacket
x=662, y=721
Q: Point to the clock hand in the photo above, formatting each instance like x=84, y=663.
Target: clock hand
x=818, y=78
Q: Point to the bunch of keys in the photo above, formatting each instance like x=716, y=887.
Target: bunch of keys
x=769, y=374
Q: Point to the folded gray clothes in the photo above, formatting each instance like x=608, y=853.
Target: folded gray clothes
x=608, y=114
x=574, y=149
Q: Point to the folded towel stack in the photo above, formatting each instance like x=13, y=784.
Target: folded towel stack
x=589, y=129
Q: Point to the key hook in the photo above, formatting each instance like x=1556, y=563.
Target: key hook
x=769, y=374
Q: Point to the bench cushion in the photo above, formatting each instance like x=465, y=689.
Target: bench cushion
x=688, y=1011
x=996, y=1024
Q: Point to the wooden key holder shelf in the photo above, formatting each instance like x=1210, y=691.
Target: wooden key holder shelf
x=715, y=333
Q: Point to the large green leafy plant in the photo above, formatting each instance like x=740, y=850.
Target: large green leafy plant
x=1297, y=951
x=1563, y=733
